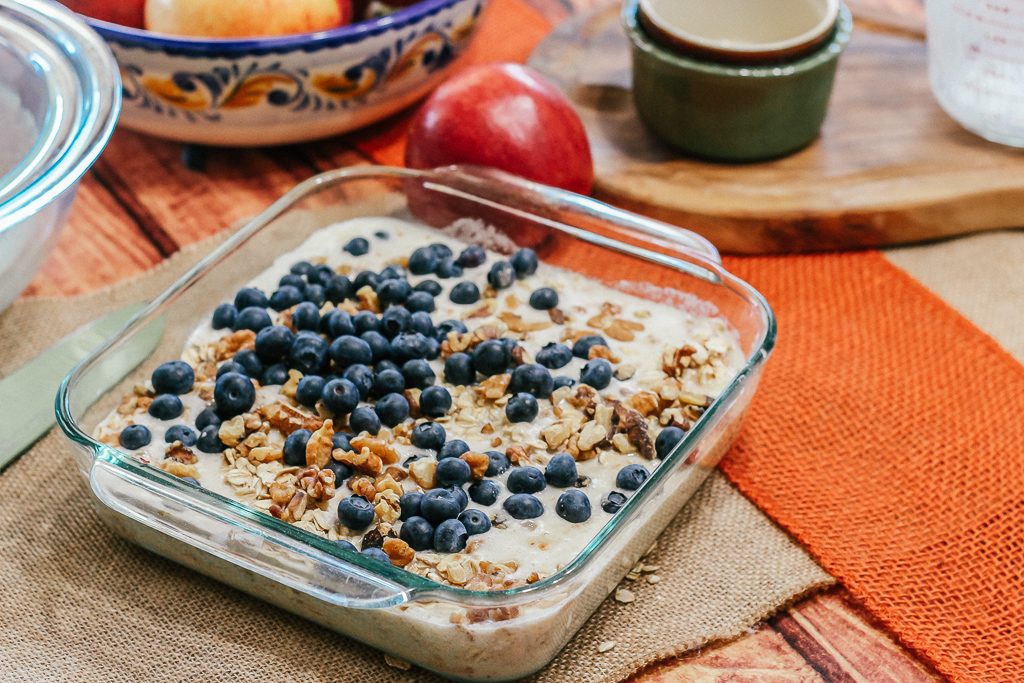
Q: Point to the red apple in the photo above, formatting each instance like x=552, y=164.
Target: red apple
x=245, y=18
x=122, y=12
x=506, y=116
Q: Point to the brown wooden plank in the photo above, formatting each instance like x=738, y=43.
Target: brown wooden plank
x=100, y=245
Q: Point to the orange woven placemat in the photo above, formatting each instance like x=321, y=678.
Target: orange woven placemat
x=887, y=436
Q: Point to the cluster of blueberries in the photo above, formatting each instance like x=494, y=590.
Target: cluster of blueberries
x=348, y=359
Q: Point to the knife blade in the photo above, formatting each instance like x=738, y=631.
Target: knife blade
x=27, y=393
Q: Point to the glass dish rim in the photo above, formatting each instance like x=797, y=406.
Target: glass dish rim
x=410, y=586
x=97, y=106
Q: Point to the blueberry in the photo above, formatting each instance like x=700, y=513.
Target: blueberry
x=418, y=533
x=498, y=463
x=365, y=321
x=224, y=316
x=388, y=382
x=631, y=477
x=207, y=418
x=447, y=326
x=340, y=396
x=442, y=251
x=472, y=256
x=337, y=323
x=501, y=275
x=448, y=269
x=362, y=377
x=274, y=343
x=387, y=364
x=544, y=299
x=347, y=545
x=252, y=318
x=340, y=469
x=295, y=448
x=533, y=379
x=452, y=472
x=435, y=401
x=438, y=505
x=181, y=433
x=526, y=480
x=234, y=394
x=581, y=349
x=209, y=440
x=418, y=373
x=134, y=437
x=573, y=506
x=392, y=409
x=458, y=369
x=341, y=440
x=376, y=554
x=418, y=302
x=563, y=381
x=420, y=322
x=364, y=419
x=561, y=471
x=393, y=272
x=613, y=502
x=408, y=346
x=308, y=354
x=380, y=347
x=422, y=261
x=250, y=297
x=409, y=504
x=475, y=521
x=597, y=373
x=349, y=350
x=357, y=246
x=285, y=297
x=306, y=316
x=338, y=289
x=433, y=349
x=667, y=440
x=491, y=357
x=276, y=374
x=292, y=280
x=465, y=293
x=484, y=492
x=300, y=268
x=364, y=278
x=175, y=377
x=320, y=275
x=431, y=287
x=315, y=295
x=453, y=449
x=521, y=408
x=355, y=512
x=525, y=262
x=450, y=536
x=460, y=496
x=392, y=292
x=395, y=321
x=554, y=355
x=250, y=362
x=429, y=436
x=523, y=506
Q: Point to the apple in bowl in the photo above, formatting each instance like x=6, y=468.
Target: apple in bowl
x=130, y=13
x=245, y=18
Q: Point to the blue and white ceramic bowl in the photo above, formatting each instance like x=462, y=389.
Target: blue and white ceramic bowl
x=269, y=91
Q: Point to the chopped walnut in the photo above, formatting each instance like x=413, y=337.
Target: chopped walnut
x=516, y=323
x=231, y=432
x=379, y=447
x=645, y=403
x=364, y=461
x=399, y=552
x=287, y=419
x=362, y=486
x=422, y=472
x=178, y=451
x=367, y=299
x=478, y=463
x=320, y=446
x=602, y=351
x=634, y=426
x=518, y=455
x=494, y=387
x=179, y=469
x=557, y=316
x=230, y=344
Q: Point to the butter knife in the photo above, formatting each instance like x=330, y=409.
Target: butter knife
x=27, y=393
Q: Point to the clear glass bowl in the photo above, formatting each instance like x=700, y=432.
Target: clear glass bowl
x=64, y=81
x=499, y=635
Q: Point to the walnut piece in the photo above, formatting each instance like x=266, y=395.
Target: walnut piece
x=320, y=445
x=398, y=551
x=478, y=463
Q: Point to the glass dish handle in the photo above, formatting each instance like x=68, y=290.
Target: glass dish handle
x=159, y=518
x=546, y=198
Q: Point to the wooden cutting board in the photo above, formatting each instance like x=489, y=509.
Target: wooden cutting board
x=890, y=166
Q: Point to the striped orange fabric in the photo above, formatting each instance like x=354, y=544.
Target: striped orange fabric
x=887, y=436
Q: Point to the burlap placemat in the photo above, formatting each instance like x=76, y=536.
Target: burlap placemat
x=80, y=604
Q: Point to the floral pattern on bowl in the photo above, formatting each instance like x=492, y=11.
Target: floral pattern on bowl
x=290, y=89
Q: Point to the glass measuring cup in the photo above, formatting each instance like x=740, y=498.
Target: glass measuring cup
x=976, y=65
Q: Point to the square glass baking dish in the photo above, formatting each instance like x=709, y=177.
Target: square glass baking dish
x=498, y=635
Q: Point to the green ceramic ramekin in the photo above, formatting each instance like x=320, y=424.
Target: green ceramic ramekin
x=732, y=112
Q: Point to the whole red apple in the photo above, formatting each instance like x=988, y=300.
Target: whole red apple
x=506, y=116
x=123, y=12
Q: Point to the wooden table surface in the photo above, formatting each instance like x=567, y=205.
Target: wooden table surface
x=140, y=204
